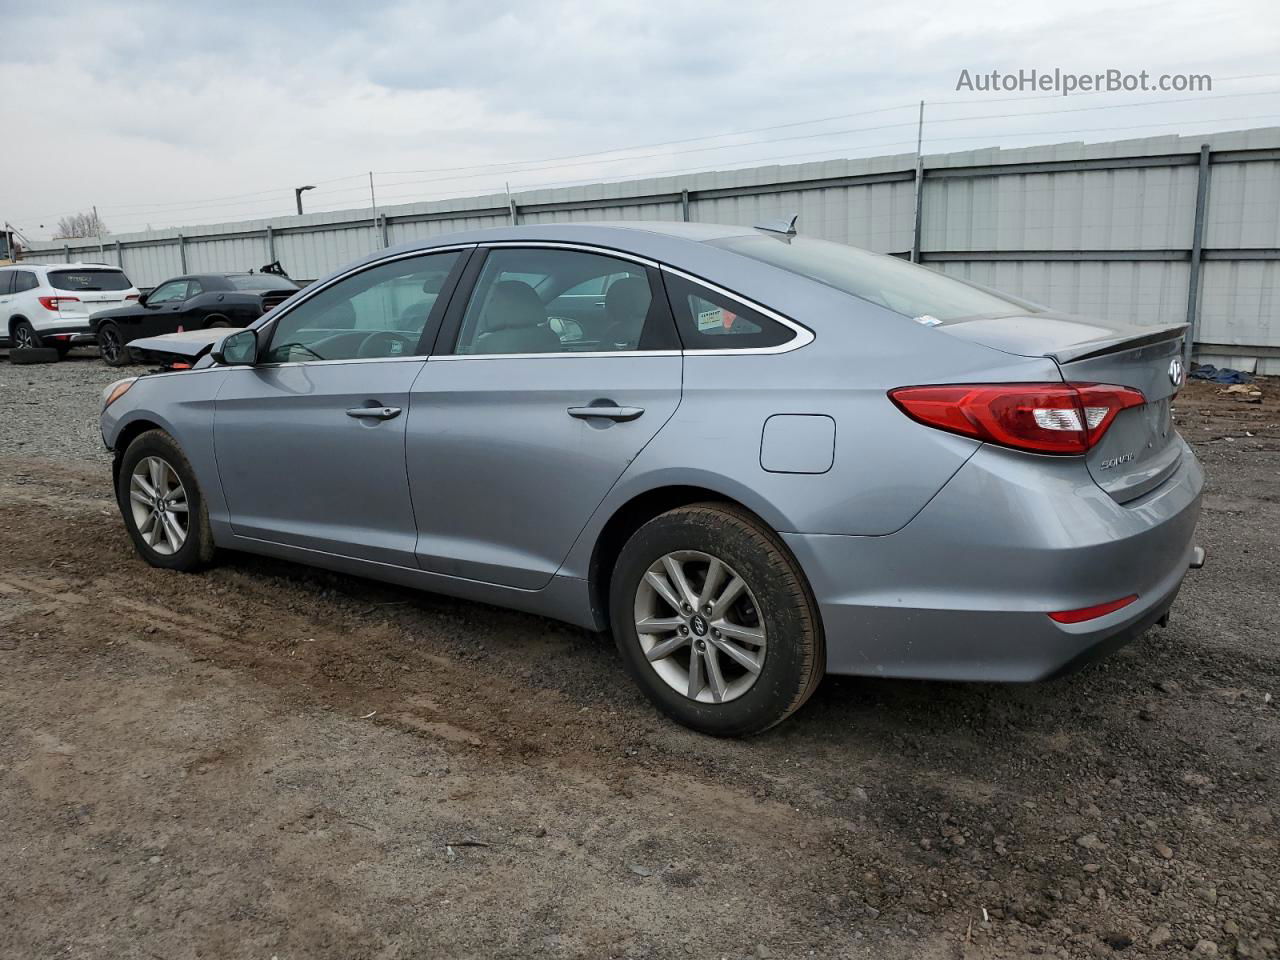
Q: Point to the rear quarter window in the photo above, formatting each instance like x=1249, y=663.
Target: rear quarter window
x=88, y=280
x=709, y=320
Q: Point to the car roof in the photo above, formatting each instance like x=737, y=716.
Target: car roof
x=28, y=265
x=657, y=239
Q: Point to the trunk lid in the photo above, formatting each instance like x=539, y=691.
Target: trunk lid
x=88, y=303
x=1140, y=450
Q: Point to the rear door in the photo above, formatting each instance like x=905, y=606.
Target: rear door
x=516, y=430
x=310, y=441
x=6, y=295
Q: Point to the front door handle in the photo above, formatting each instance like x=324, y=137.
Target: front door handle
x=374, y=413
x=619, y=414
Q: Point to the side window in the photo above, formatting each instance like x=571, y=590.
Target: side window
x=711, y=321
x=6, y=282
x=379, y=312
x=547, y=300
x=194, y=288
x=174, y=291
x=24, y=280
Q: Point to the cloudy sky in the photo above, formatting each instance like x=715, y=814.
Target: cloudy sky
x=166, y=114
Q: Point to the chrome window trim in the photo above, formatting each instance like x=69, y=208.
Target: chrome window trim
x=414, y=357
x=803, y=335
x=589, y=354
x=584, y=247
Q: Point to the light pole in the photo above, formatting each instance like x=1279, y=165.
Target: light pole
x=297, y=196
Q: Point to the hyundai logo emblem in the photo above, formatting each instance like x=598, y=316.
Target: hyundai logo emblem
x=1175, y=371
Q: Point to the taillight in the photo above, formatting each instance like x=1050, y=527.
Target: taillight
x=134, y=296
x=1065, y=418
x=51, y=303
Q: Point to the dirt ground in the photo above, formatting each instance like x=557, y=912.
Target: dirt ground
x=263, y=761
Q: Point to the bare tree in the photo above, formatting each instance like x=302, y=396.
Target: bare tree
x=80, y=225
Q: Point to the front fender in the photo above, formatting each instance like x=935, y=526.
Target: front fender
x=181, y=404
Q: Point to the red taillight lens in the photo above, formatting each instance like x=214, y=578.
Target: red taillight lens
x=1062, y=418
x=134, y=296
x=1092, y=613
x=51, y=303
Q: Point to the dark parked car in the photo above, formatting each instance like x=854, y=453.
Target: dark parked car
x=192, y=302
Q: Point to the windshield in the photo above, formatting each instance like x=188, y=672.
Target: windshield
x=261, y=281
x=88, y=280
x=903, y=287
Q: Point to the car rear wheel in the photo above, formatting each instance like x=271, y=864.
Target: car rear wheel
x=111, y=346
x=25, y=336
x=715, y=621
x=161, y=503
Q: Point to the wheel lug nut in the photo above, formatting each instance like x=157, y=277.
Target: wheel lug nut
x=683, y=630
x=707, y=609
x=715, y=633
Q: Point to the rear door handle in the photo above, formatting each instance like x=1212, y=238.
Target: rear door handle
x=374, y=413
x=620, y=414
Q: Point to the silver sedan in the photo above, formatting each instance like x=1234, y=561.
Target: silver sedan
x=755, y=457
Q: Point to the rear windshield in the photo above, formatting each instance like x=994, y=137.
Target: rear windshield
x=88, y=280
x=903, y=287
x=261, y=281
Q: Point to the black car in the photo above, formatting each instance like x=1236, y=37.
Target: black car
x=192, y=302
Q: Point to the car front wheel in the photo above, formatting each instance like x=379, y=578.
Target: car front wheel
x=161, y=503
x=715, y=621
x=111, y=346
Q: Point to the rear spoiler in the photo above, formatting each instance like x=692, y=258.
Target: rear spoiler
x=172, y=348
x=1104, y=345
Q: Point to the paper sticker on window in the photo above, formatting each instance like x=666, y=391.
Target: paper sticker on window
x=712, y=319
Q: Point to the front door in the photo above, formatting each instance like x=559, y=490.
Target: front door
x=310, y=440
x=518, y=429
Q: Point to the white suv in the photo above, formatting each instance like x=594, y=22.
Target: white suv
x=49, y=305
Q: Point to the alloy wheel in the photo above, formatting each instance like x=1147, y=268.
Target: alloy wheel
x=24, y=337
x=159, y=504
x=699, y=626
x=109, y=344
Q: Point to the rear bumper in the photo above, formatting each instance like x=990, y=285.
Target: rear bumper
x=77, y=330
x=964, y=590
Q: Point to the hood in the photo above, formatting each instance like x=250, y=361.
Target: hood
x=187, y=346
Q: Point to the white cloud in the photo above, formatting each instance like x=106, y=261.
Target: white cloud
x=152, y=110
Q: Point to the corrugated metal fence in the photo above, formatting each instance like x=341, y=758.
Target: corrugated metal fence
x=1150, y=231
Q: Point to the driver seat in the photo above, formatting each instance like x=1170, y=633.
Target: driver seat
x=514, y=320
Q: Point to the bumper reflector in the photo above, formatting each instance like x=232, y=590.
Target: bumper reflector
x=1092, y=613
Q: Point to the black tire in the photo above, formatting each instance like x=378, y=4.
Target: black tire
x=24, y=335
x=795, y=655
x=33, y=355
x=217, y=323
x=197, y=549
x=112, y=347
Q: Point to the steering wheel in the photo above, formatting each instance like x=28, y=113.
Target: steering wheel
x=385, y=343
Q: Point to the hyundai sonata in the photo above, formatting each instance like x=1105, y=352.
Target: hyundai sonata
x=755, y=457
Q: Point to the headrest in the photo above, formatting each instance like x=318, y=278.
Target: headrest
x=628, y=300
x=512, y=304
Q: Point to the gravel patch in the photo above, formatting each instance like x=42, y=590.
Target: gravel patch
x=51, y=409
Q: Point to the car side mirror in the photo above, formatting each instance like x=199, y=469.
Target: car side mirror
x=142, y=299
x=238, y=350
